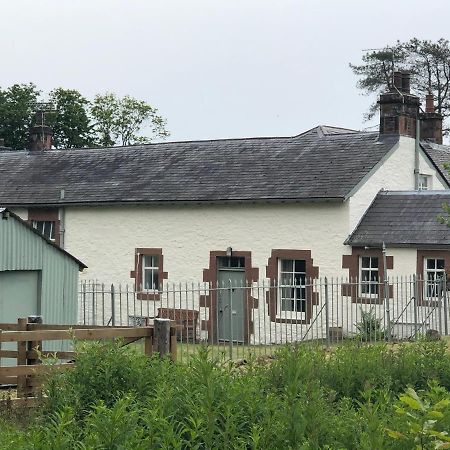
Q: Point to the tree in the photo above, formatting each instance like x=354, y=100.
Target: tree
x=70, y=119
x=17, y=108
x=428, y=62
x=76, y=122
x=120, y=120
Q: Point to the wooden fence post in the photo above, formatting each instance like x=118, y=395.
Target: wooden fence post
x=22, y=359
x=32, y=346
x=148, y=342
x=162, y=336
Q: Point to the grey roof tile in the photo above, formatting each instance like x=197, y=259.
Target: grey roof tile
x=406, y=218
x=323, y=163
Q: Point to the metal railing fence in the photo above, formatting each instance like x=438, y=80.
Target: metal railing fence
x=239, y=320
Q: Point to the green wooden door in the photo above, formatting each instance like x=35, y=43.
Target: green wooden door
x=18, y=298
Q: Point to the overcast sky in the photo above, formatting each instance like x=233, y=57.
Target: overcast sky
x=213, y=68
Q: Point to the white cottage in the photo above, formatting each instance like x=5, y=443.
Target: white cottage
x=234, y=209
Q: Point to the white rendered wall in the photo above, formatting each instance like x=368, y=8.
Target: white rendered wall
x=396, y=173
x=105, y=238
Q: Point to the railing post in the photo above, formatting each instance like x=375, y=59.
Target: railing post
x=327, y=314
x=416, y=291
x=445, y=299
x=173, y=342
x=386, y=294
x=162, y=336
x=113, y=306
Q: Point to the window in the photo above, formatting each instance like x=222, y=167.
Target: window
x=369, y=276
x=434, y=273
x=45, y=227
x=424, y=182
x=292, y=285
x=46, y=221
x=150, y=272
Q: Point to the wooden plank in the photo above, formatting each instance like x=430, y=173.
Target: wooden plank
x=9, y=354
x=88, y=334
x=46, y=326
x=8, y=380
x=39, y=369
x=8, y=326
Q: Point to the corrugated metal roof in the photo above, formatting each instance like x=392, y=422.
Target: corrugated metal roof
x=27, y=225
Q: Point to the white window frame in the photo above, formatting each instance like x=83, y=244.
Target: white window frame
x=437, y=273
x=153, y=269
x=424, y=182
x=35, y=224
x=371, y=269
x=284, y=314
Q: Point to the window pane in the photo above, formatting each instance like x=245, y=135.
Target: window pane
x=431, y=263
x=287, y=292
x=286, y=279
x=374, y=288
x=155, y=279
x=286, y=265
x=365, y=275
x=365, y=262
x=300, y=265
x=374, y=275
x=299, y=279
x=287, y=305
x=440, y=264
x=300, y=305
x=374, y=262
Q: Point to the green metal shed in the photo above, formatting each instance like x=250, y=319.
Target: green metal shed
x=37, y=277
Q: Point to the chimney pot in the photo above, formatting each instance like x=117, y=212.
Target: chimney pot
x=429, y=103
x=398, y=80
x=40, y=136
x=406, y=83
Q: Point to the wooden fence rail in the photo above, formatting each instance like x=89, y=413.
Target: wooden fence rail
x=28, y=373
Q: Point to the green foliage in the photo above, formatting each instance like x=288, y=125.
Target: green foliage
x=307, y=398
x=17, y=108
x=76, y=122
x=119, y=120
x=429, y=63
x=70, y=119
x=370, y=328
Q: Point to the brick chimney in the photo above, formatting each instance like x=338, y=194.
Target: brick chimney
x=399, y=108
x=430, y=122
x=40, y=136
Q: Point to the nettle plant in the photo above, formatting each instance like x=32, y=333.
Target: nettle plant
x=423, y=422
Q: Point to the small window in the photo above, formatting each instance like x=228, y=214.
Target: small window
x=424, y=182
x=369, y=276
x=292, y=285
x=150, y=271
x=433, y=276
x=45, y=227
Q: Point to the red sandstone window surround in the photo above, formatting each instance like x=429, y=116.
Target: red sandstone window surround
x=148, y=273
x=292, y=296
x=365, y=275
x=46, y=221
x=432, y=266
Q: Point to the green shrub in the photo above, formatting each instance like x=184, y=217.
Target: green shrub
x=353, y=397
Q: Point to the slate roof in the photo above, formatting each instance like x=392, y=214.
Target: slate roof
x=440, y=156
x=403, y=219
x=324, y=163
x=81, y=265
